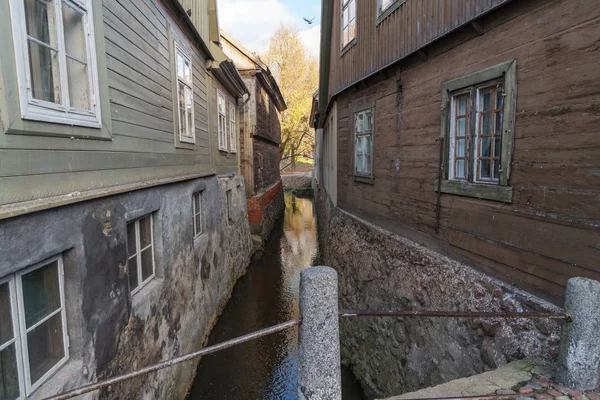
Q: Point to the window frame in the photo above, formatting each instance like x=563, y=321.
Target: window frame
x=364, y=108
x=345, y=4
x=384, y=13
x=232, y=128
x=501, y=191
x=20, y=330
x=222, y=128
x=179, y=51
x=197, y=232
x=45, y=111
x=138, y=253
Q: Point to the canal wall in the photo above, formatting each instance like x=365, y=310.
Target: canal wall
x=112, y=330
x=379, y=269
x=265, y=208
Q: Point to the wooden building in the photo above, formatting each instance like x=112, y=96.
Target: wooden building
x=123, y=220
x=260, y=137
x=469, y=126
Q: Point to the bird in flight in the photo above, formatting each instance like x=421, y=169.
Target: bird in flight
x=309, y=21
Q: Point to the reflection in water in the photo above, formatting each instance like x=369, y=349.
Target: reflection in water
x=267, y=295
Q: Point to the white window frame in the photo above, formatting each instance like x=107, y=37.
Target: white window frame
x=41, y=110
x=20, y=330
x=138, y=253
x=198, y=230
x=347, y=4
x=232, y=128
x=369, y=108
x=229, y=201
x=190, y=136
x=452, y=136
x=222, y=121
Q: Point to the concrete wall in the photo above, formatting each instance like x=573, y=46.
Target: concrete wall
x=384, y=271
x=112, y=332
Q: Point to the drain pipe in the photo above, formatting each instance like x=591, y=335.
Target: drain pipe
x=319, y=371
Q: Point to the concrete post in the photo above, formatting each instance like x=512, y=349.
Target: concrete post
x=579, y=357
x=319, y=375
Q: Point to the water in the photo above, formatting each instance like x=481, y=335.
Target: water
x=267, y=295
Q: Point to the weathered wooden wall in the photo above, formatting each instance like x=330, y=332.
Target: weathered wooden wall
x=267, y=137
x=413, y=25
x=141, y=107
x=551, y=230
x=198, y=15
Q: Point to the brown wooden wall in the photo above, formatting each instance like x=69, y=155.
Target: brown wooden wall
x=550, y=231
x=413, y=25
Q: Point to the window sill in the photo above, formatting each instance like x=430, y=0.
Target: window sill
x=185, y=145
x=346, y=48
x=388, y=11
x=364, y=179
x=477, y=190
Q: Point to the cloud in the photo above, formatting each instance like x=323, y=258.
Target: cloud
x=252, y=22
x=312, y=39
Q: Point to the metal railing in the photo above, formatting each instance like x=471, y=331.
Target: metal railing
x=174, y=361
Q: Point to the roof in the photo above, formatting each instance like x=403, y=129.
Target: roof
x=261, y=71
x=226, y=72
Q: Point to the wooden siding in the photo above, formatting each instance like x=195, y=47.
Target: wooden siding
x=241, y=61
x=141, y=108
x=198, y=15
x=550, y=232
x=413, y=25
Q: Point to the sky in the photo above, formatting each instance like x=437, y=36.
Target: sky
x=251, y=22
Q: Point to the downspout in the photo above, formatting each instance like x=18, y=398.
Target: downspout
x=326, y=26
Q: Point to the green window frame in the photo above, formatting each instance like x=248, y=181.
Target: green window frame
x=477, y=131
x=364, y=133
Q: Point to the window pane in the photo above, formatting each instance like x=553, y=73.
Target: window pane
x=368, y=121
x=484, y=171
x=41, y=293
x=461, y=128
x=9, y=381
x=496, y=169
x=40, y=18
x=198, y=226
x=133, y=273
x=189, y=112
x=45, y=78
x=74, y=33
x=352, y=30
x=487, y=99
x=352, y=8
x=461, y=146
x=497, y=147
x=460, y=169
x=147, y=265
x=487, y=122
x=6, y=325
x=499, y=123
x=345, y=37
x=359, y=123
x=180, y=73
x=499, y=98
x=196, y=203
x=345, y=17
x=145, y=232
x=462, y=105
x=486, y=144
x=181, y=101
x=187, y=73
x=45, y=347
x=131, y=242
x=79, y=94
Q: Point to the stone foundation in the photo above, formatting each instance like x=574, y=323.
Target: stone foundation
x=381, y=270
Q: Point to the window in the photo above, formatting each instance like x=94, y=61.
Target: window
x=387, y=7
x=363, y=142
x=56, y=65
x=348, y=22
x=477, y=122
x=383, y=5
x=140, y=252
x=33, y=334
x=232, y=129
x=222, y=122
x=185, y=97
x=197, y=213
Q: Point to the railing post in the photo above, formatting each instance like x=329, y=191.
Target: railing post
x=579, y=357
x=319, y=375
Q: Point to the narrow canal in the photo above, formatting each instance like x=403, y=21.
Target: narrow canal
x=267, y=295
